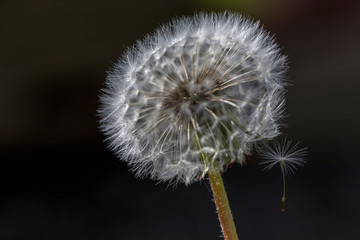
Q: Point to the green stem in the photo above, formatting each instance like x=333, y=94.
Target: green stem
x=222, y=205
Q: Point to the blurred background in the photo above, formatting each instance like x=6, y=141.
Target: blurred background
x=58, y=180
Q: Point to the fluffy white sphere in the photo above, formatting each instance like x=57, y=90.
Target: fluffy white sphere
x=194, y=97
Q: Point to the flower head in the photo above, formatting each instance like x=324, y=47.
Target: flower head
x=194, y=96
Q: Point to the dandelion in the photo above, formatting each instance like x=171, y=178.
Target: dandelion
x=288, y=157
x=193, y=98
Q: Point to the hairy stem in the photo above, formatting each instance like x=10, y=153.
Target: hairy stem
x=222, y=205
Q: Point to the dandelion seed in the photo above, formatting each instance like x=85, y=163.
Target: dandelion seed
x=288, y=157
x=193, y=97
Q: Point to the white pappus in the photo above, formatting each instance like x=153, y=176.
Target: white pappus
x=288, y=156
x=193, y=96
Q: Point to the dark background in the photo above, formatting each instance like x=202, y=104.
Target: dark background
x=58, y=180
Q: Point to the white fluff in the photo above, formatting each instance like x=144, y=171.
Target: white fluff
x=194, y=96
x=283, y=153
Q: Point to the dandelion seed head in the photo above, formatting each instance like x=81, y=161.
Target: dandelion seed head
x=194, y=96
